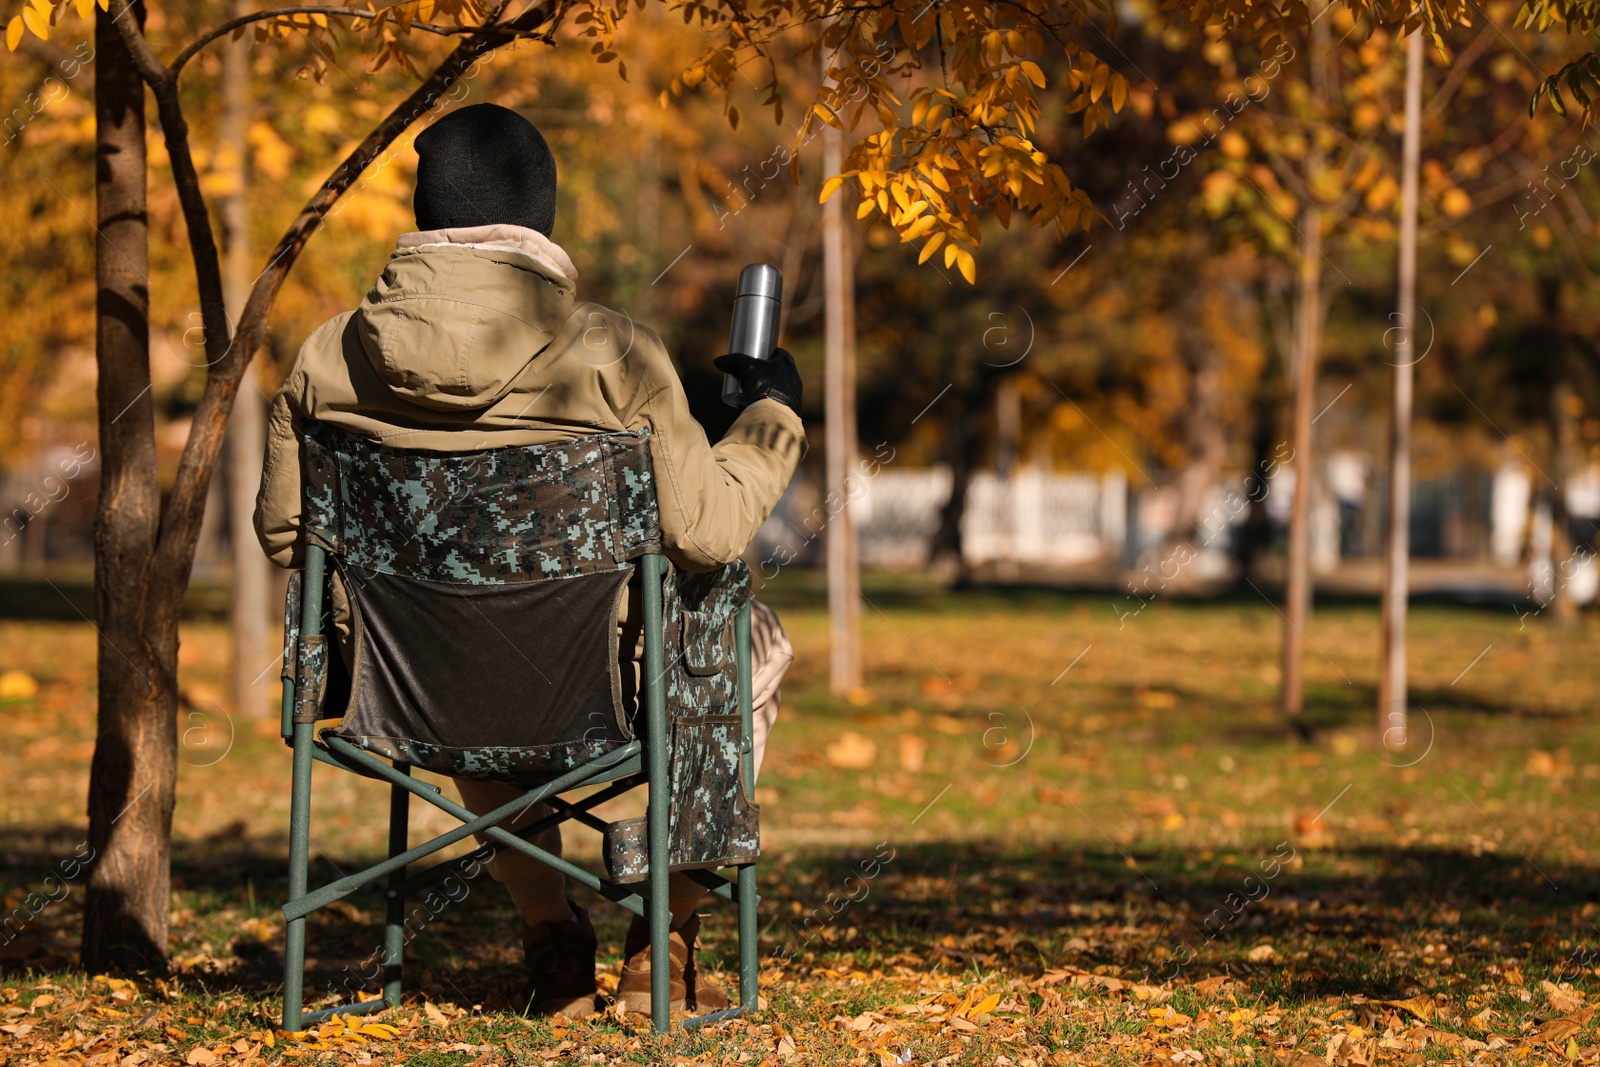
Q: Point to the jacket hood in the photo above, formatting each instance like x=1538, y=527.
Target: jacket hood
x=452, y=323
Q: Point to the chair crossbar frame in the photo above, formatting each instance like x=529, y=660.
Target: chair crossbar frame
x=645, y=761
x=439, y=872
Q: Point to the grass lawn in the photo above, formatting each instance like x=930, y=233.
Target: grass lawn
x=1092, y=840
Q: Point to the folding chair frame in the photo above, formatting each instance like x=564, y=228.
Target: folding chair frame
x=637, y=763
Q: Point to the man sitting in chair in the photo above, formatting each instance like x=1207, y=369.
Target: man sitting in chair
x=474, y=338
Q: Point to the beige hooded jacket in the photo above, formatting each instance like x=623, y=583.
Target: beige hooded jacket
x=474, y=338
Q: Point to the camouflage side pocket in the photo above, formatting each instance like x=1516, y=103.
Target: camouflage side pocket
x=714, y=822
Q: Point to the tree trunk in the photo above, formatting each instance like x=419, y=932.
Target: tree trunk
x=247, y=427
x=1266, y=421
x=844, y=571
x=1392, y=697
x=1565, y=405
x=965, y=421
x=1007, y=453
x=1565, y=452
x=1308, y=328
x=1204, y=436
x=133, y=774
x=1255, y=538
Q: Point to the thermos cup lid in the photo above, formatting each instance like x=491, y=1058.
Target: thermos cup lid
x=761, y=279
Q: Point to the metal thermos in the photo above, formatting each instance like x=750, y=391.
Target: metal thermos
x=755, y=320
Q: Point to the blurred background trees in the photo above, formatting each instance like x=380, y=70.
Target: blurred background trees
x=1159, y=346
x=1109, y=384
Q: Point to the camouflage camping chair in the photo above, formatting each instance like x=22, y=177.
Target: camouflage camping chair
x=484, y=591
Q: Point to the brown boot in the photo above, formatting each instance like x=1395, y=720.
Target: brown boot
x=560, y=958
x=705, y=996
x=687, y=988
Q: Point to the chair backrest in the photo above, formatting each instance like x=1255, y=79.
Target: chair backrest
x=483, y=591
x=493, y=517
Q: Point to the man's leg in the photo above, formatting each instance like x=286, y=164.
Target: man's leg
x=770, y=657
x=538, y=891
x=558, y=941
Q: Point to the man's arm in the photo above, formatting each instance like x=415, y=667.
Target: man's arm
x=713, y=498
x=278, y=504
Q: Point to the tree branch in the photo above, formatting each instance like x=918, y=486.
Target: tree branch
x=144, y=60
x=180, y=525
x=199, y=43
x=190, y=50
x=1459, y=70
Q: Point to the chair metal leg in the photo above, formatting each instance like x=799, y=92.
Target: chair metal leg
x=294, y=956
x=394, y=930
x=748, y=967
x=749, y=932
x=660, y=769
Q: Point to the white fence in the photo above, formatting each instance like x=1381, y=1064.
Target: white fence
x=1031, y=517
x=1039, y=518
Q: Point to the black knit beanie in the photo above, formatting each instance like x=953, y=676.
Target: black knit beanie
x=481, y=165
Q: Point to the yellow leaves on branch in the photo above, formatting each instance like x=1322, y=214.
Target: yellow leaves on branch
x=969, y=145
x=599, y=23
x=965, y=144
x=1093, y=84
x=960, y=154
x=39, y=15
x=929, y=178
x=961, y=258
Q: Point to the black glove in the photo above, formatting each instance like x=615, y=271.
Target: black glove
x=777, y=378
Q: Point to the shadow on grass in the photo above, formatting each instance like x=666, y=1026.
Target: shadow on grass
x=923, y=593
x=67, y=595
x=1383, y=922
x=1247, y=722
